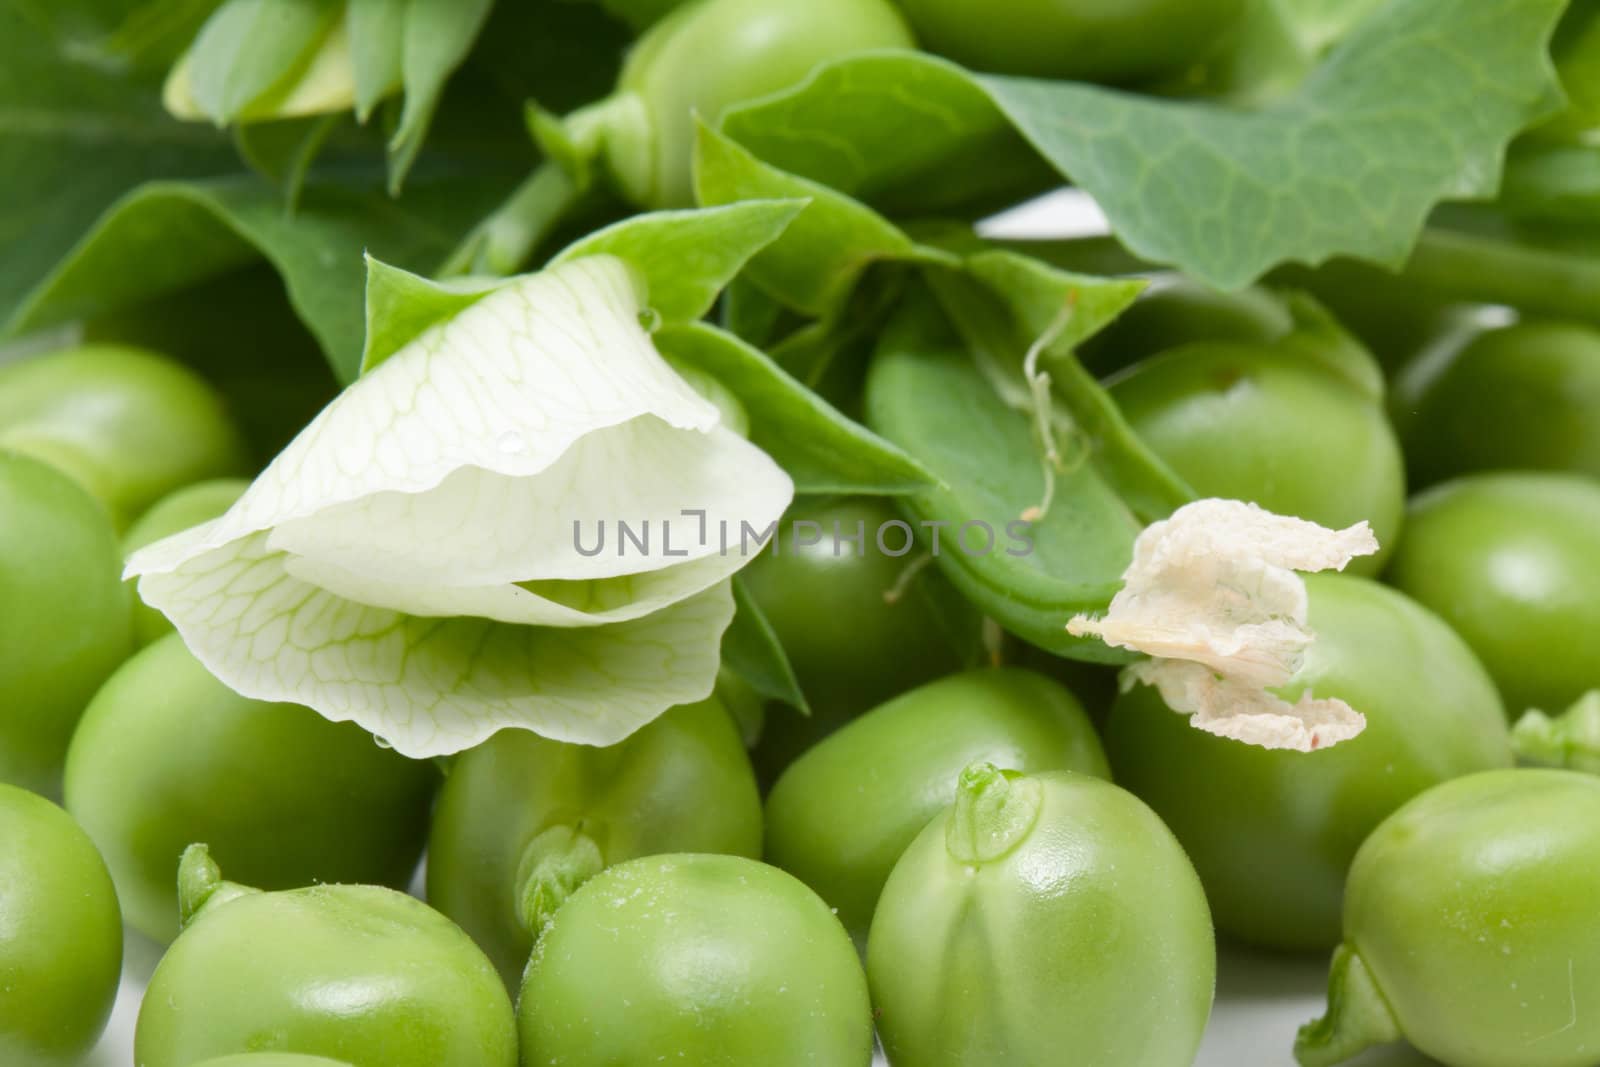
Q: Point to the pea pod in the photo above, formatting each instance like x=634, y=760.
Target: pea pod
x=66, y=623
x=718, y=961
x=356, y=973
x=521, y=807
x=1508, y=559
x=1469, y=928
x=130, y=425
x=1272, y=833
x=1044, y=918
x=167, y=755
x=1523, y=397
x=60, y=935
x=843, y=812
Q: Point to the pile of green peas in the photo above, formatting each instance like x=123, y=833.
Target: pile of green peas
x=971, y=852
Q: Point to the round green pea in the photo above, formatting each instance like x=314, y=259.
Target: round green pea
x=709, y=55
x=60, y=935
x=683, y=782
x=1251, y=423
x=167, y=755
x=1176, y=311
x=1116, y=41
x=718, y=961
x=1524, y=397
x=1272, y=833
x=66, y=619
x=856, y=626
x=177, y=511
x=359, y=974
x=1509, y=560
x=130, y=425
x=271, y=1059
x=1469, y=928
x=842, y=814
x=1046, y=918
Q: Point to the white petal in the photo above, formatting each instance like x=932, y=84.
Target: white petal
x=1231, y=709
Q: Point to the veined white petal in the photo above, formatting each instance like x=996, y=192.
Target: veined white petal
x=431, y=686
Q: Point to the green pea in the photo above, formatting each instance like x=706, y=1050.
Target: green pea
x=1272, y=833
x=272, y=1059
x=844, y=812
x=1520, y=397
x=709, y=55
x=1046, y=918
x=167, y=755
x=65, y=624
x=1273, y=428
x=520, y=803
x=718, y=961
x=1509, y=560
x=1469, y=928
x=859, y=625
x=177, y=511
x=60, y=935
x=359, y=974
x=130, y=425
x=1176, y=311
x=1083, y=40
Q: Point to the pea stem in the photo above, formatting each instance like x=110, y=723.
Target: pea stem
x=555, y=863
x=1358, y=1015
x=993, y=812
x=201, y=886
x=505, y=241
x=1493, y=270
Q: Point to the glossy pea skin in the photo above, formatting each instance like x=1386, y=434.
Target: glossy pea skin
x=66, y=619
x=842, y=814
x=1251, y=423
x=167, y=756
x=712, y=54
x=1521, y=397
x=271, y=1059
x=177, y=511
x=682, y=782
x=1113, y=41
x=851, y=646
x=1474, y=909
x=1272, y=833
x=128, y=424
x=359, y=974
x=60, y=935
x=1078, y=933
x=717, y=961
x=1509, y=560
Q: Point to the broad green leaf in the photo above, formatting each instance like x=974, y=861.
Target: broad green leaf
x=926, y=394
x=56, y=114
x=823, y=451
x=905, y=132
x=823, y=253
x=167, y=235
x=401, y=305
x=417, y=559
x=250, y=51
x=751, y=650
x=1414, y=107
x=438, y=34
x=688, y=257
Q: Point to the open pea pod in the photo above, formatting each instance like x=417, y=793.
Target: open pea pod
x=926, y=394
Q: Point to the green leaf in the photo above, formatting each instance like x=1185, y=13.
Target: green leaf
x=377, y=45
x=166, y=235
x=688, y=257
x=751, y=650
x=907, y=133
x=1414, y=107
x=401, y=305
x=825, y=250
x=250, y=49
x=821, y=449
x=438, y=34
x=926, y=394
